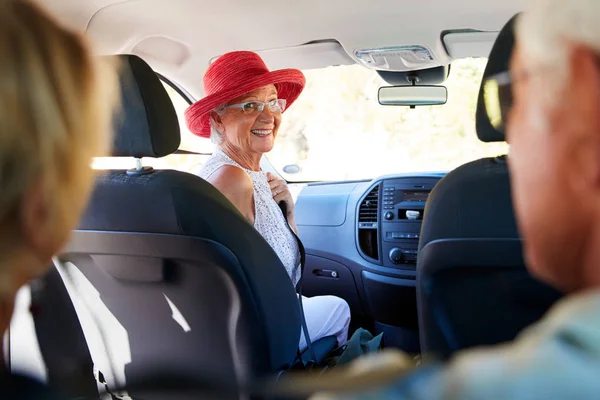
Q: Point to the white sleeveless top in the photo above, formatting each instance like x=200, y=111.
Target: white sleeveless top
x=268, y=219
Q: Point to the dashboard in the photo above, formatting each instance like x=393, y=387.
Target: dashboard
x=361, y=240
x=389, y=221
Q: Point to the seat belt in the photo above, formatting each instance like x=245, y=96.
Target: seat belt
x=302, y=251
x=61, y=338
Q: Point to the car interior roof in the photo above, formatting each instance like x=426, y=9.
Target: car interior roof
x=179, y=38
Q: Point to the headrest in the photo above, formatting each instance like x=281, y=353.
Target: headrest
x=147, y=125
x=498, y=61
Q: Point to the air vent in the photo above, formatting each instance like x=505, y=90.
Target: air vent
x=368, y=238
x=369, y=210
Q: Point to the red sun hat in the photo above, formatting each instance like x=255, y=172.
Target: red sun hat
x=233, y=75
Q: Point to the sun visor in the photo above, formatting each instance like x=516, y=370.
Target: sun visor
x=312, y=55
x=462, y=44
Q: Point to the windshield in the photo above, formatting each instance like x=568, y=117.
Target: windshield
x=337, y=130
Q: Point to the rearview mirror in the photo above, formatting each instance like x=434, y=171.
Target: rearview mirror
x=426, y=95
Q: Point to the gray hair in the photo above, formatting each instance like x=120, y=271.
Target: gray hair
x=547, y=26
x=216, y=136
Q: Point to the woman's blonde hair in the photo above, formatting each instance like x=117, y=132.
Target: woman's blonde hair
x=56, y=104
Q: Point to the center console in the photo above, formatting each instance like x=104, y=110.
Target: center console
x=402, y=208
x=389, y=220
x=390, y=214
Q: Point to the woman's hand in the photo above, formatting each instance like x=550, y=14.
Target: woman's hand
x=281, y=192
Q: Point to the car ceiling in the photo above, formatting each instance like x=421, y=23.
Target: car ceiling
x=178, y=38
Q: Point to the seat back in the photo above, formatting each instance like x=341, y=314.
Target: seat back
x=483, y=299
x=152, y=302
x=472, y=285
x=164, y=273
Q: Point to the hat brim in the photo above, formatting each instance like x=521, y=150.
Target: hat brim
x=288, y=82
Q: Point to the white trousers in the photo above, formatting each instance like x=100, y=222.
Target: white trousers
x=325, y=316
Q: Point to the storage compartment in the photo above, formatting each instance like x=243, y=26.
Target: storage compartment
x=391, y=301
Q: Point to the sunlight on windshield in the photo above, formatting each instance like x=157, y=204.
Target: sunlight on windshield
x=337, y=130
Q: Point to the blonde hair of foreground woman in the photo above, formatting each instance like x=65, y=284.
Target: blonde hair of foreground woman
x=56, y=104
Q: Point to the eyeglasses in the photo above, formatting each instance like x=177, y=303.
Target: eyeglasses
x=498, y=96
x=255, y=107
x=498, y=99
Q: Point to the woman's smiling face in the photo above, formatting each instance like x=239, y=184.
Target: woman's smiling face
x=250, y=130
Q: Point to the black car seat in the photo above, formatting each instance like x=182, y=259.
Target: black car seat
x=164, y=273
x=472, y=285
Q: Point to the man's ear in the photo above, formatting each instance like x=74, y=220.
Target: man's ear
x=584, y=114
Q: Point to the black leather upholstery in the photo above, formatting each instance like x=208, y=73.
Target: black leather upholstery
x=151, y=242
x=472, y=285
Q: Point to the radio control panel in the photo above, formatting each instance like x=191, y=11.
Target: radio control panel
x=402, y=209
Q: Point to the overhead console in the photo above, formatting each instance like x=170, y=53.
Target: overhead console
x=389, y=220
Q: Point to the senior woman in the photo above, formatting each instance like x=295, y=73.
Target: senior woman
x=242, y=113
x=55, y=115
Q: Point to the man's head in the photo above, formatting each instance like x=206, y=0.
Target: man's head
x=554, y=133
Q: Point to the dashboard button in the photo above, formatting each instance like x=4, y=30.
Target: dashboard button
x=389, y=216
x=396, y=255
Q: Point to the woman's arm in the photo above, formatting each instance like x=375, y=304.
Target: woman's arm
x=237, y=186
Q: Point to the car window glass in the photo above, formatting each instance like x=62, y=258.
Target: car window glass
x=337, y=130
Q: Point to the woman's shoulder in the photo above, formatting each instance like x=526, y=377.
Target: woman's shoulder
x=214, y=162
x=232, y=178
x=221, y=164
x=235, y=184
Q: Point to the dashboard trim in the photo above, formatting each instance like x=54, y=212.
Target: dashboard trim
x=357, y=229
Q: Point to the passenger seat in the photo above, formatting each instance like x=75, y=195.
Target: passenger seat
x=164, y=273
x=472, y=285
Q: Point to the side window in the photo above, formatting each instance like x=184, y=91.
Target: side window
x=181, y=162
x=189, y=141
